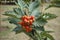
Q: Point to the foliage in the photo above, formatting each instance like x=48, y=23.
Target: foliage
x=31, y=8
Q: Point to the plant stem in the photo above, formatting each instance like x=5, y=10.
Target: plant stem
x=44, y=30
x=26, y=11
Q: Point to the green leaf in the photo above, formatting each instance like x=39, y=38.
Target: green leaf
x=31, y=35
x=49, y=36
x=55, y=3
x=22, y=4
x=48, y=16
x=38, y=28
x=49, y=6
x=48, y=31
x=52, y=5
x=16, y=1
x=4, y=19
x=34, y=5
x=46, y=35
x=12, y=14
x=18, y=29
x=26, y=1
x=40, y=22
x=36, y=13
x=18, y=11
x=14, y=20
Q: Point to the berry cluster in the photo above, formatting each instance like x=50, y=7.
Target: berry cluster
x=27, y=22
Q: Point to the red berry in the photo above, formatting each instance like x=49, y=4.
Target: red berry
x=27, y=22
x=30, y=22
x=29, y=30
x=32, y=17
x=21, y=23
x=27, y=27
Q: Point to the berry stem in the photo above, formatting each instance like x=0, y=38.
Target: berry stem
x=26, y=11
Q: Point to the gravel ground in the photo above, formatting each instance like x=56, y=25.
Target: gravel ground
x=53, y=24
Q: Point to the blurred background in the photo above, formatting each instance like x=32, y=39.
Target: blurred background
x=6, y=32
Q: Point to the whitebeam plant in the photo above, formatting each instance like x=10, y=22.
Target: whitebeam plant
x=30, y=19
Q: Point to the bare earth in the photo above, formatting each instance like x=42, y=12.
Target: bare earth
x=8, y=34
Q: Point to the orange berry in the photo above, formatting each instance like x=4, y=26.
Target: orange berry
x=31, y=20
x=25, y=20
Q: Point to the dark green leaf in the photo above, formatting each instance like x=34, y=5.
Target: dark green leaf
x=12, y=14
x=48, y=16
x=40, y=22
x=38, y=28
x=22, y=4
x=31, y=35
x=26, y=1
x=18, y=29
x=44, y=34
x=18, y=11
x=49, y=36
x=14, y=20
x=49, y=6
x=48, y=31
x=55, y=3
x=16, y=1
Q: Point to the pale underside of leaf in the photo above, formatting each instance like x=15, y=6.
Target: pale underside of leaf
x=49, y=16
x=33, y=5
x=22, y=4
